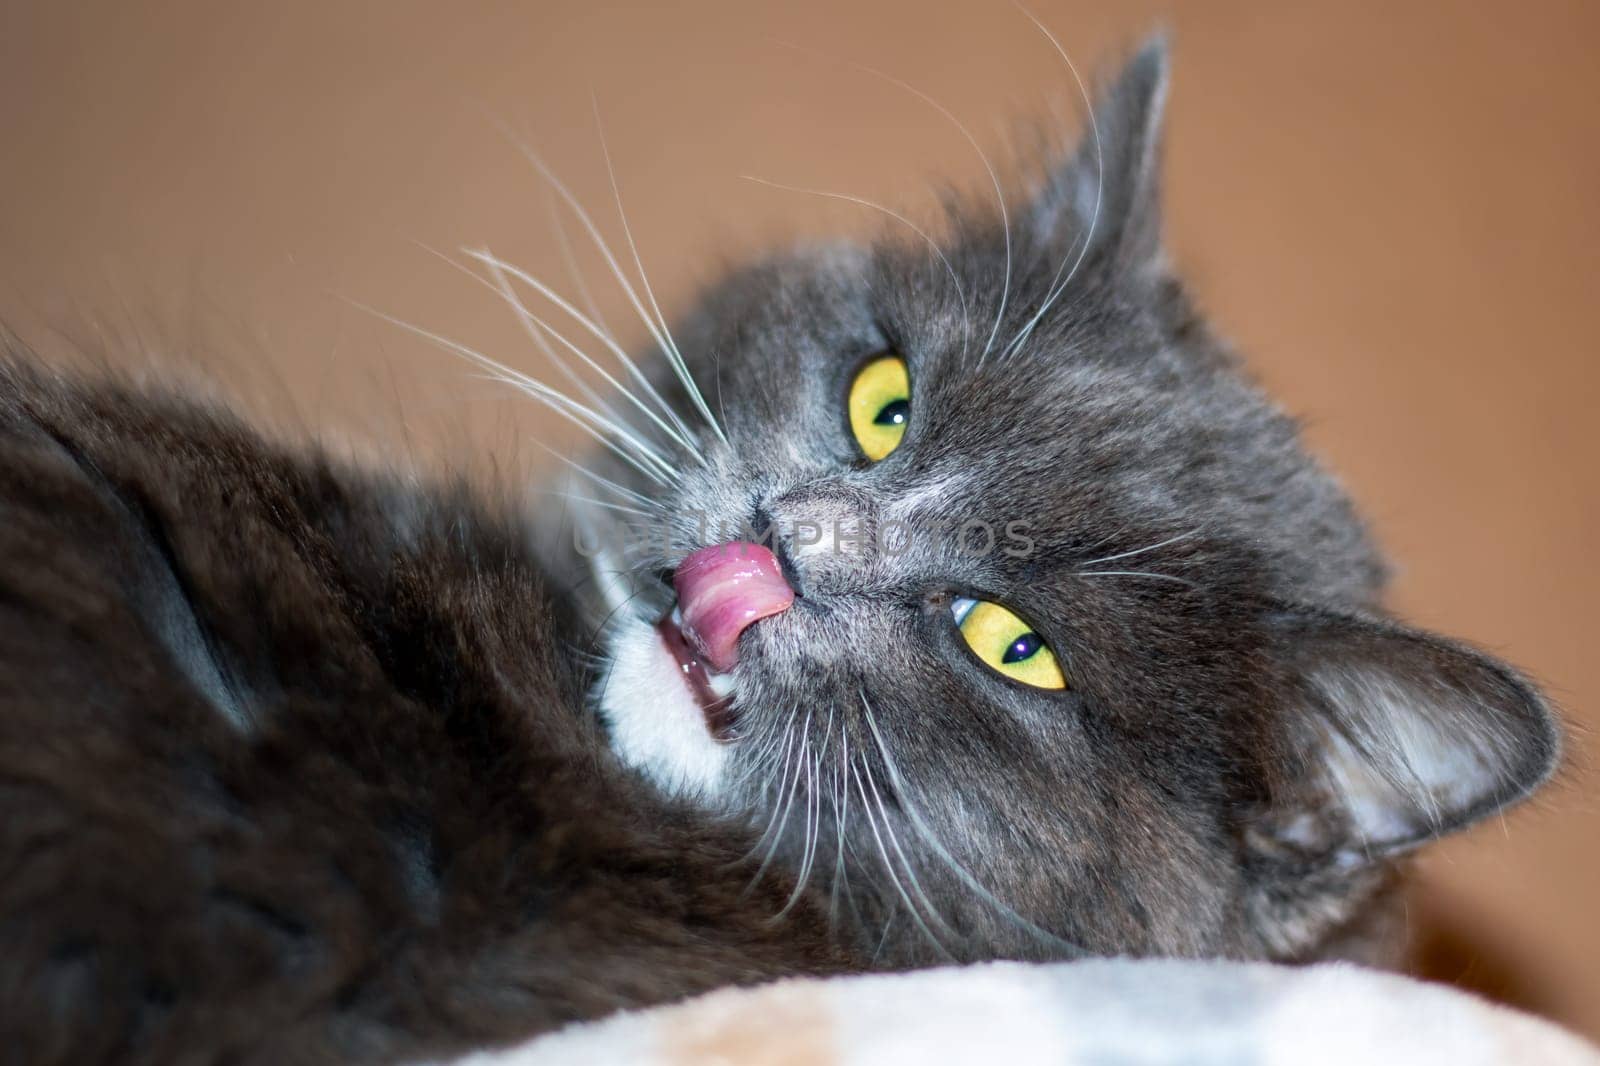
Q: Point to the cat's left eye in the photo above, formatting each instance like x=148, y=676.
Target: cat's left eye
x=880, y=405
x=1006, y=644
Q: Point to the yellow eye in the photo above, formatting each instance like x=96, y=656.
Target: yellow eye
x=1007, y=644
x=880, y=406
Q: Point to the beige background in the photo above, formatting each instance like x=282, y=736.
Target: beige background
x=1391, y=207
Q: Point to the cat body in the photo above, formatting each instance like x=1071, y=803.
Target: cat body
x=295, y=765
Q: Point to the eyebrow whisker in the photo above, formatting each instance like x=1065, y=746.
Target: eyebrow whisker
x=1135, y=573
x=1141, y=551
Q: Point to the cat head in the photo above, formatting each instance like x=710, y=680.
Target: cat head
x=1084, y=652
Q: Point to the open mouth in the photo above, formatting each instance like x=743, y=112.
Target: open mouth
x=703, y=684
x=722, y=591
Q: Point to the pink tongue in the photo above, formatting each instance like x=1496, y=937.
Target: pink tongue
x=722, y=591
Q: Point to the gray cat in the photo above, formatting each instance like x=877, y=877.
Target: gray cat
x=1232, y=740
x=942, y=603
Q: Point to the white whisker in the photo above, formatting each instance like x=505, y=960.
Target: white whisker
x=534, y=331
x=894, y=840
x=598, y=479
x=570, y=259
x=787, y=734
x=788, y=803
x=604, y=249
x=1059, y=284
x=763, y=753
x=498, y=265
x=565, y=495
x=894, y=878
x=943, y=853
x=813, y=825
x=679, y=436
x=994, y=178
x=933, y=245
x=1140, y=551
x=671, y=347
x=625, y=446
x=841, y=814
x=637, y=453
x=1135, y=573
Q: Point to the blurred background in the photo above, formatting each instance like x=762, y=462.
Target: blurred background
x=1391, y=208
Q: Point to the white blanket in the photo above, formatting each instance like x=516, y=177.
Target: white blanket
x=1099, y=1012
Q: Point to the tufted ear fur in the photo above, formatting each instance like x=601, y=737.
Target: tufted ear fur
x=1109, y=188
x=1396, y=737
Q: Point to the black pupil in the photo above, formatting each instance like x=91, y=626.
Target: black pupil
x=894, y=413
x=1022, y=648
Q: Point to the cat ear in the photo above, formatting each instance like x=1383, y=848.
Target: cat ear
x=1109, y=188
x=1397, y=737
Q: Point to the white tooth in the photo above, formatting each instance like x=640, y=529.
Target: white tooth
x=721, y=684
x=677, y=616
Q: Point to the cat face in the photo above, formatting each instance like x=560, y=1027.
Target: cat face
x=1083, y=652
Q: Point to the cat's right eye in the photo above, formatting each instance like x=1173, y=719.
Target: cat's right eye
x=880, y=406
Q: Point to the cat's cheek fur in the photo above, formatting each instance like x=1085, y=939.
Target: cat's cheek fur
x=655, y=724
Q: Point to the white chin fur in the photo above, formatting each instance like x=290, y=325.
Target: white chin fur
x=656, y=725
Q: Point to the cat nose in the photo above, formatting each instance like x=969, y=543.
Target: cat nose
x=821, y=533
x=764, y=531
